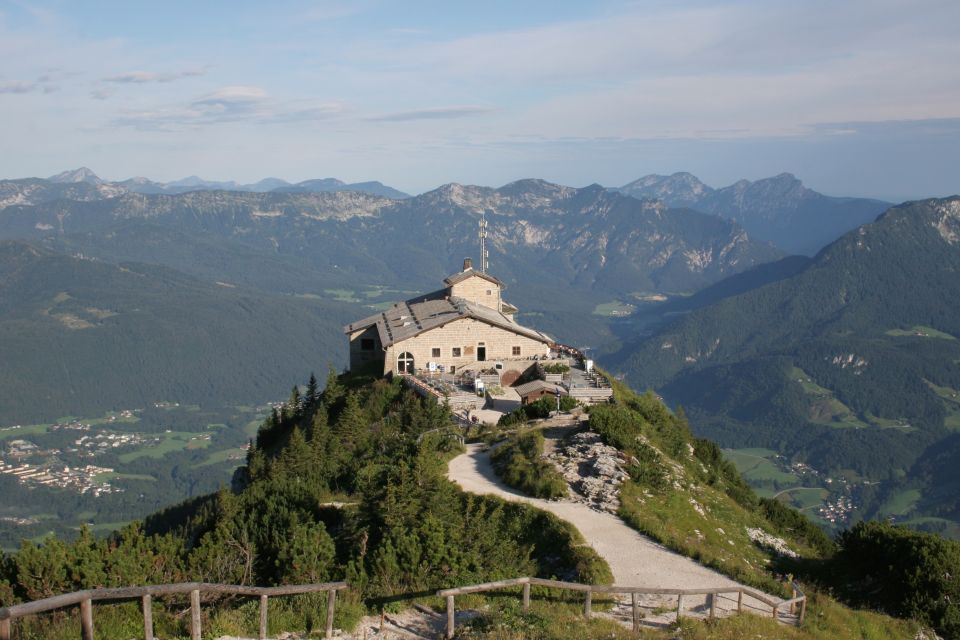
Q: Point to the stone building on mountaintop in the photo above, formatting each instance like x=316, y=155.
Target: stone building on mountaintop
x=464, y=326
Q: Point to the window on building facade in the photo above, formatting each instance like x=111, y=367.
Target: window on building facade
x=435, y=352
x=489, y=292
x=516, y=351
x=405, y=363
x=455, y=352
x=366, y=344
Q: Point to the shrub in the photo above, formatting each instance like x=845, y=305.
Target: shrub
x=519, y=463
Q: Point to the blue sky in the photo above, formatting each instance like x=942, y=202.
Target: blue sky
x=856, y=97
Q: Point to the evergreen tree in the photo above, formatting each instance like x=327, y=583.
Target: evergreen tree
x=334, y=390
x=351, y=427
x=308, y=558
x=313, y=392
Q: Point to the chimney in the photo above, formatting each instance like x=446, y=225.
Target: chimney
x=467, y=264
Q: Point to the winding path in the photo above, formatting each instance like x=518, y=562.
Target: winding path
x=634, y=559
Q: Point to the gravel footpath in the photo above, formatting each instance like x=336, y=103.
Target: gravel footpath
x=634, y=559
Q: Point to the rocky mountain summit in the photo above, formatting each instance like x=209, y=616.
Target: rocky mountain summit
x=779, y=209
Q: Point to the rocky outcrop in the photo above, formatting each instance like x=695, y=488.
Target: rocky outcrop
x=594, y=470
x=768, y=541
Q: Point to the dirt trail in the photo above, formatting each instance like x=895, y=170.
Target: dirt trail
x=634, y=559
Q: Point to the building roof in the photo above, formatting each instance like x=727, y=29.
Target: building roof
x=537, y=385
x=405, y=320
x=470, y=273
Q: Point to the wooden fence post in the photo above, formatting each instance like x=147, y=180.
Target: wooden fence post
x=526, y=596
x=331, y=610
x=679, y=606
x=263, y=617
x=712, y=601
x=195, y=615
x=86, y=619
x=793, y=605
x=803, y=610
x=451, y=620
x=147, y=607
x=5, y=629
x=775, y=607
x=636, y=611
x=588, y=604
x=740, y=601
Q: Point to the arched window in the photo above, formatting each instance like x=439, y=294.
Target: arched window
x=405, y=363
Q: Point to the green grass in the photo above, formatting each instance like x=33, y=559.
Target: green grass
x=172, y=441
x=108, y=527
x=253, y=426
x=804, y=498
x=951, y=402
x=117, y=418
x=343, y=295
x=224, y=455
x=615, y=308
x=900, y=502
x=9, y=433
x=756, y=466
x=113, y=475
x=717, y=537
x=824, y=408
x=920, y=331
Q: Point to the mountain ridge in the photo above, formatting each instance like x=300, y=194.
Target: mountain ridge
x=847, y=364
x=779, y=208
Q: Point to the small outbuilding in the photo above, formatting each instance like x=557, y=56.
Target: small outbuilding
x=530, y=392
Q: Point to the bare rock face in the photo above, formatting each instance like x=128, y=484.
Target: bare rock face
x=594, y=470
x=768, y=541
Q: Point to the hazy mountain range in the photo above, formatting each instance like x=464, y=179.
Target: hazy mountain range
x=195, y=183
x=779, y=209
x=865, y=325
x=562, y=251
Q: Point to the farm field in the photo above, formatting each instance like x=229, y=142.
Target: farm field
x=921, y=332
x=128, y=464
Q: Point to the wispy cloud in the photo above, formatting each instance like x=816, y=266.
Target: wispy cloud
x=238, y=103
x=18, y=87
x=144, y=77
x=432, y=113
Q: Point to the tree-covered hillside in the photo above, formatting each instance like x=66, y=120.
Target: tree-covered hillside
x=79, y=337
x=349, y=484
x=852, y=364
x=405, y=529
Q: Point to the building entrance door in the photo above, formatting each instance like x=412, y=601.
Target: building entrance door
x=481, y=353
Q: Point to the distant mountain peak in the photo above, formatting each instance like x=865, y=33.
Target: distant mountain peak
x=680, y=189
x=83, y=174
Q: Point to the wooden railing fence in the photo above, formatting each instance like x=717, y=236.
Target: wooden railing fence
x=86, y=599
x=776, y=606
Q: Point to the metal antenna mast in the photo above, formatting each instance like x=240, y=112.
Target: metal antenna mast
x=484, y=254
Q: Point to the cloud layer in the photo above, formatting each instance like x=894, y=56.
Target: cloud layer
x=420, y=94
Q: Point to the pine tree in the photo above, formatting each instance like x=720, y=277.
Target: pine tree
x=313, y=392
x=351, y=426
x=334, y=391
